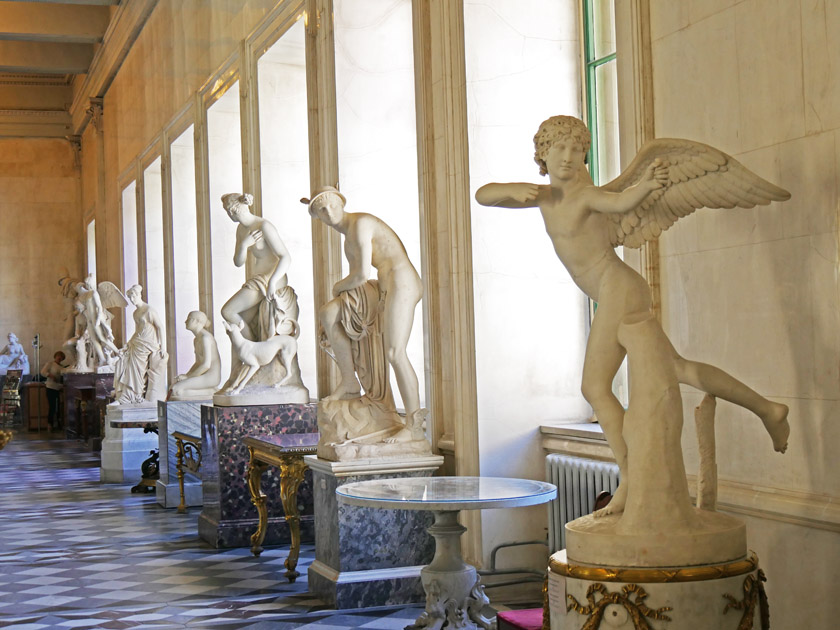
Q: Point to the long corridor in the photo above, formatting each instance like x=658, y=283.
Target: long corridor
x=77, y=554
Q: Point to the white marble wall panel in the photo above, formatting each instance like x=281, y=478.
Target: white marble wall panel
x=756, y=291
x=802, y=578
x=705, y=108
x=769, y=64
x=821, y=64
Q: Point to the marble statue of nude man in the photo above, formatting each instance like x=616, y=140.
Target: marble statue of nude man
x=369, y=242
x=576, y=215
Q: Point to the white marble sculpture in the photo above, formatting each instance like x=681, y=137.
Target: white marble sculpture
x=77, y=348
x=140, y=372
x=92, y=302
x=668, y=179
x=13, y=356
x=265, y=307
x=203, y=378
x=366, y=327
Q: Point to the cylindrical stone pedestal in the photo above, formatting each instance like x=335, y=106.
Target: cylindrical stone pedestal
x=726, y=596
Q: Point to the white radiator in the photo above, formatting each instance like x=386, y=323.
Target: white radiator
x=578, y=482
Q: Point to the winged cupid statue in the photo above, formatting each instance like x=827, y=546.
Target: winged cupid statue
x=668, y=179
x=91, y=337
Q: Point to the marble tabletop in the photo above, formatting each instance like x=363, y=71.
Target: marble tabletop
x=446, y=493
x=284, y=442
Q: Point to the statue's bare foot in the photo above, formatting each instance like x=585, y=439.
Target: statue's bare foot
x=776, y=423
x=616, y=504
x=345, y=391
x=403, y=435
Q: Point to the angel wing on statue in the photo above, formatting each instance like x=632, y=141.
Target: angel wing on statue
x=667, y=180
x=92, y=302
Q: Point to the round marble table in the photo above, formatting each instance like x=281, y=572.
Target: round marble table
x=454, y=594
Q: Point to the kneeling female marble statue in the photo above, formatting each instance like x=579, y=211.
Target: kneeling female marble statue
x=140, y=372
x=367, y=326
x=202, y=379
x=265, y=307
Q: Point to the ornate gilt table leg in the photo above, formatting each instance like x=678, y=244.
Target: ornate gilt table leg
x=292, y=469
x=179, y=454
x=256, y=468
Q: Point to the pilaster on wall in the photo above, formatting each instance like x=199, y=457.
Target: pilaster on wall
x=446, y=240
x=323, y=159
x=636, y=120
x=249, y=125
x=202, y=208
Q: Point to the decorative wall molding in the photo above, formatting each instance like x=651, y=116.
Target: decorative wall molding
x=323, y=160
x=446, y=240
x=125, y=26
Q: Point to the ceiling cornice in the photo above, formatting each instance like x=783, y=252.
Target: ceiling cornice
x=122, y=32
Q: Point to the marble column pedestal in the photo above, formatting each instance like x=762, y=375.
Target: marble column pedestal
x=183, y=416
x=124, y=449
x=728, y=596
x=229, y=518
x=365, y=556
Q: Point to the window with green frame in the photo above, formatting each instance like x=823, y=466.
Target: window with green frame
x=601, y=87
x=601, y=111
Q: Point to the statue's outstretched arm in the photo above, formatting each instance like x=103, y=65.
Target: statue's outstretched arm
x=512, y=195
x=601, y=200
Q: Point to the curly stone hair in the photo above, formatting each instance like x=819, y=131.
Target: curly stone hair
x=552, y=130
x=230, y=200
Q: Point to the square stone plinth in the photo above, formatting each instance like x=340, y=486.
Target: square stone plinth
x=365, y=556
x=127, y=445
x=229, y=518
x=183, y=416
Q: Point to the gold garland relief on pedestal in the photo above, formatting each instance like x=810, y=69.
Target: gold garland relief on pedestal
x=753, y=595
x=636, y=608
x=655, y=575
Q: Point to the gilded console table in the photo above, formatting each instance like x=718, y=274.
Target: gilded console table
x=285, y=451
x=188, y=454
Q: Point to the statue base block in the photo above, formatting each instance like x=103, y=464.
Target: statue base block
x=363, y=556
x=264, y=395
x=712, y=538
x=724, y=596
x=124, y=449
x=229, y=518
x=358, y=428
x=183, y=416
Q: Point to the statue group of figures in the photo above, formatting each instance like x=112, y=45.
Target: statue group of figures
x=367, y=324
x=365, y=328
x=139, y=368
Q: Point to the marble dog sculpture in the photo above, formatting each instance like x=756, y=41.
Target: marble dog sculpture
x=256, y=354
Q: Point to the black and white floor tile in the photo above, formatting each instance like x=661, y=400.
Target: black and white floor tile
x=77, y=554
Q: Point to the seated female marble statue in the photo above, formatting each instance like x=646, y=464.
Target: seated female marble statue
x=13, y=356
x=202, y=379
x=264, y=307
x=140, y=372
x=668, y=179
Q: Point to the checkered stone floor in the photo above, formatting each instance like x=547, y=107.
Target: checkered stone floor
x=77, y=554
